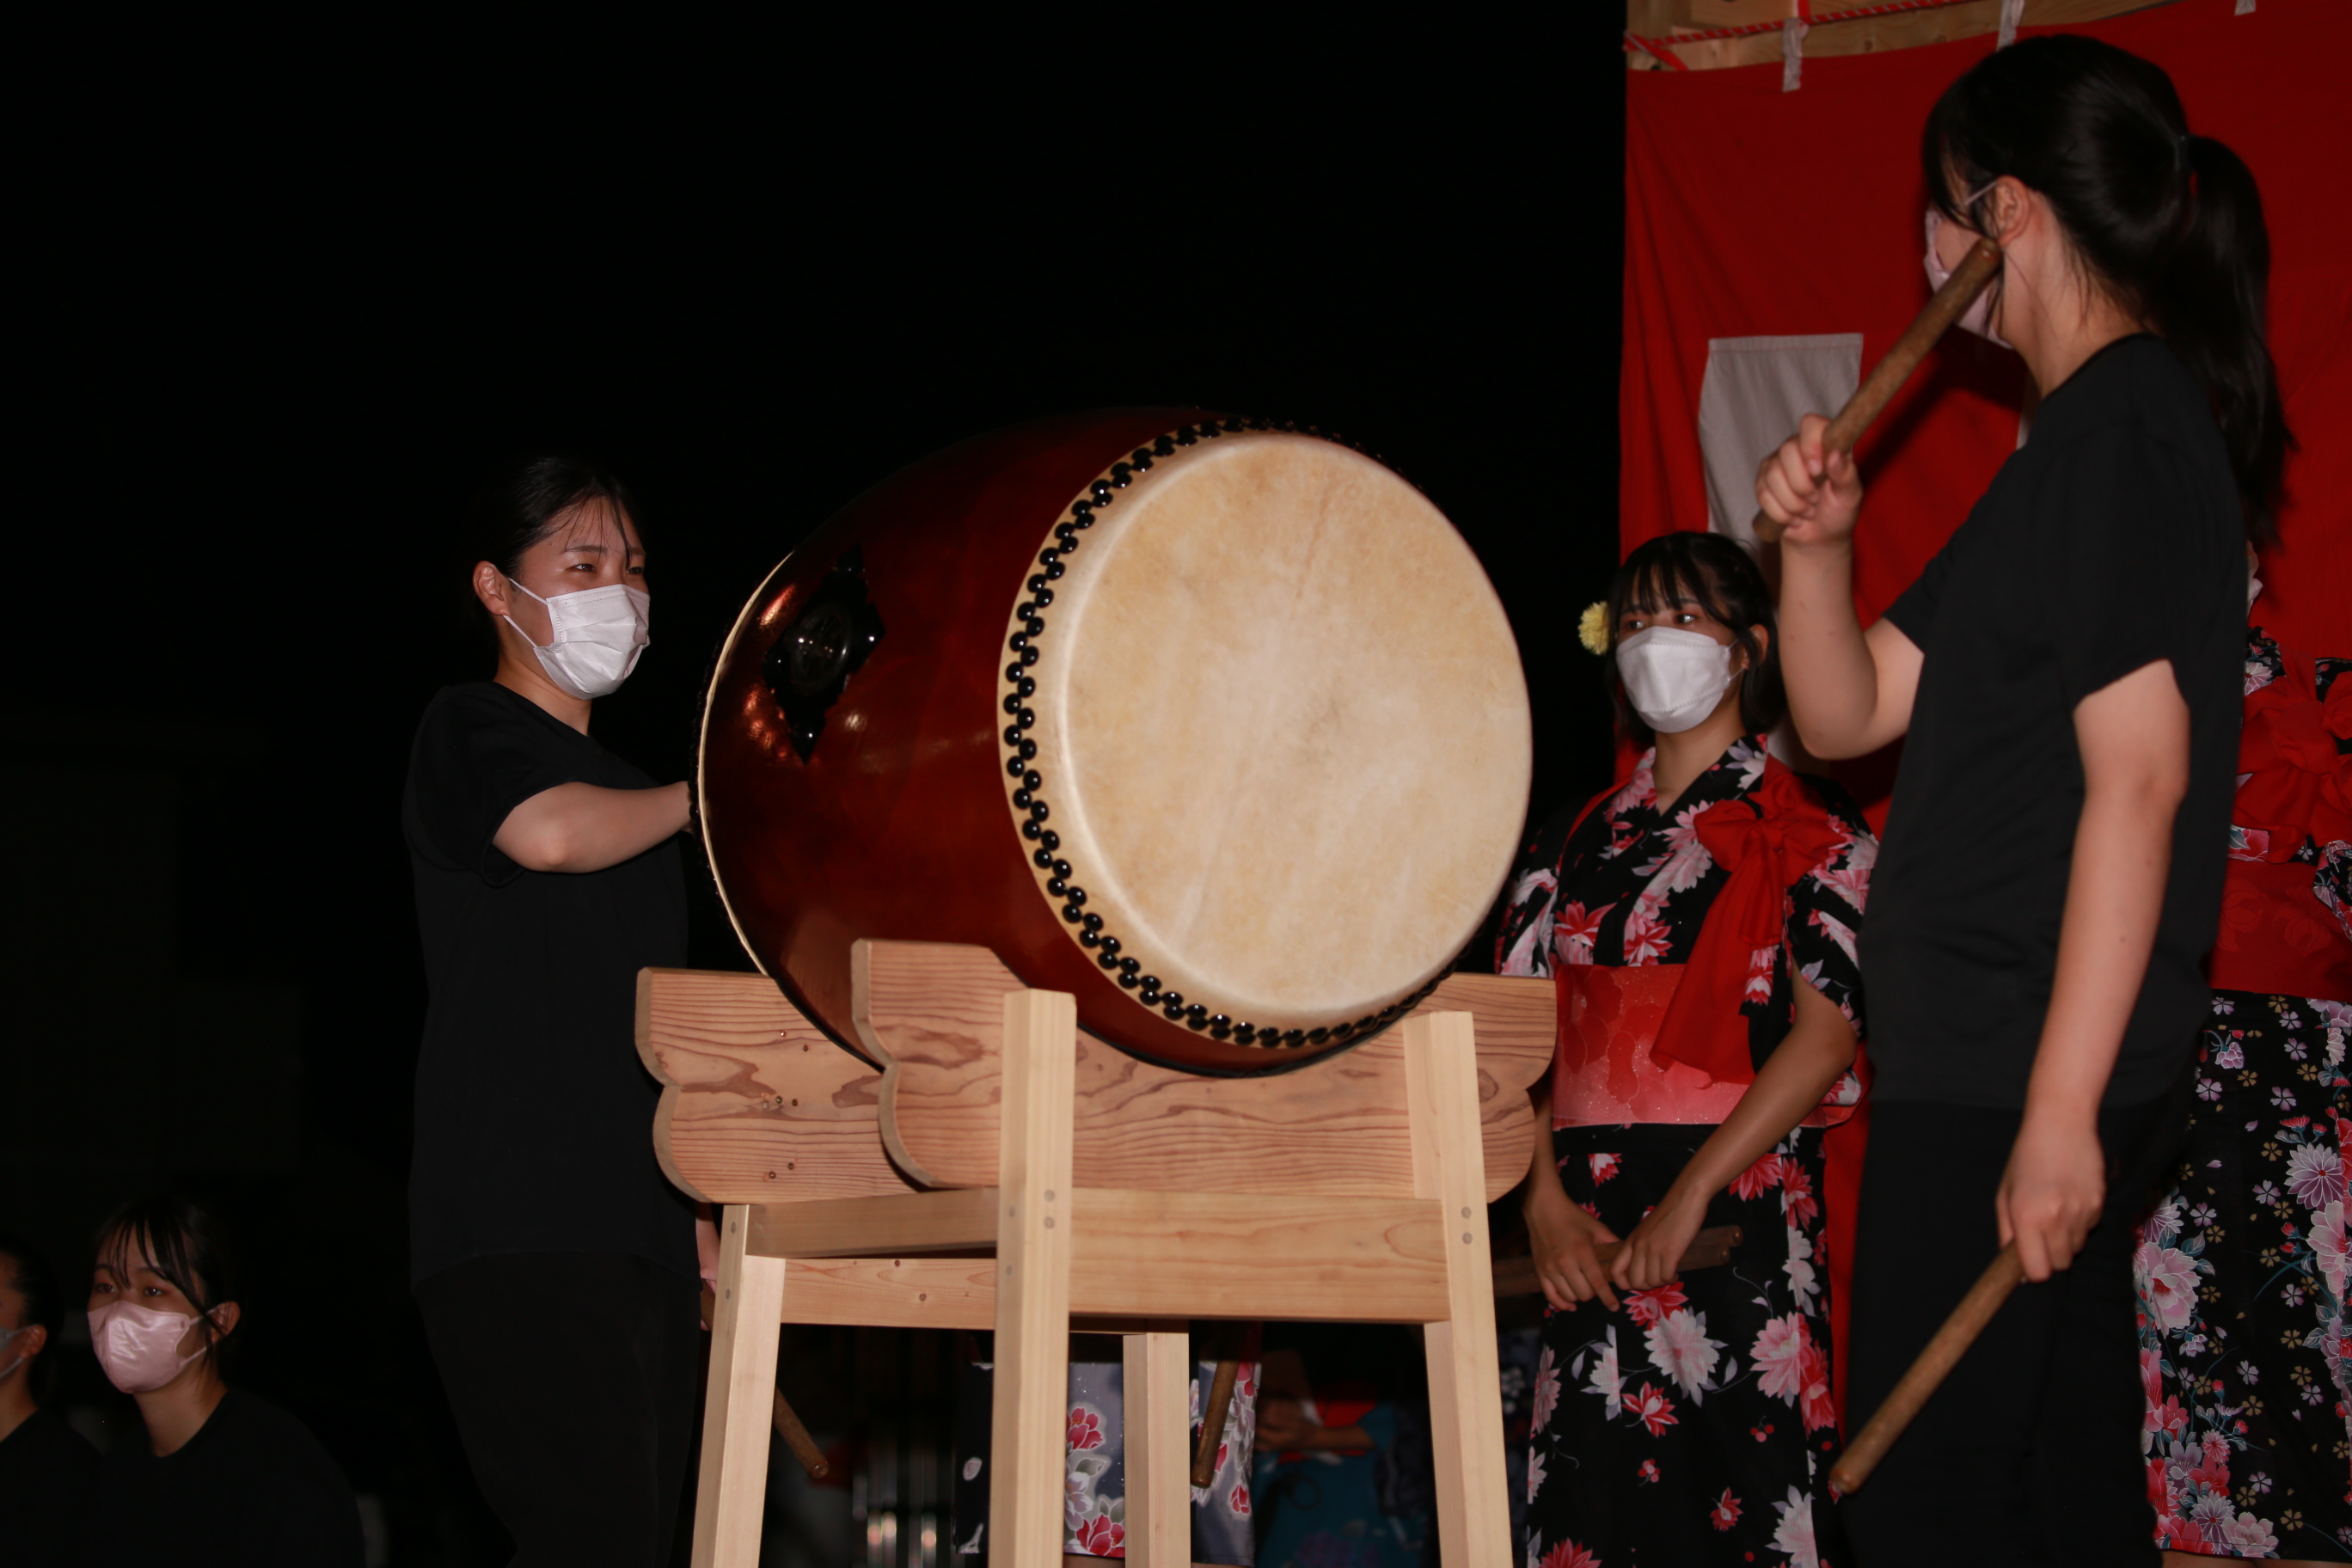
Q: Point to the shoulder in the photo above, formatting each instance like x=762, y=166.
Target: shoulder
x=474, y=704
x=1836, y=802
x=44, y=1442
x=2132, y=398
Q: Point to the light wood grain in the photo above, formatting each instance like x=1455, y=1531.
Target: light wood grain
x=1157, y=1399
x=892, y=1292
x=1465, y=1405
x=1862, y=36
x=757, y=1105
x=1206, y=1255
x=739, y=1407
x=1033, y=1278
x=959, y=1221
x=1337, y=1125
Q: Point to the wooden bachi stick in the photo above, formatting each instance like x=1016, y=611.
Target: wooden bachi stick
x=1935, y=1364
x=1960, y=290
x=1708, y=1249
x=796, y=1438
x=1212, y=1422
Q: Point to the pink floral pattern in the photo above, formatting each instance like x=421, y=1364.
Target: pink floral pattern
x=2244, y=1366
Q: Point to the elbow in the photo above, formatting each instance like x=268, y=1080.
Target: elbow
x=542, y=848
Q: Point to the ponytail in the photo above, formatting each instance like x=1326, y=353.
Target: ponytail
x=2170, y=222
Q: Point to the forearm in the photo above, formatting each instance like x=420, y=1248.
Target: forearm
x=2114, y=895
x=1789, y=1084
x=1825, y=659
x=577, y=827
x=1543, y=1172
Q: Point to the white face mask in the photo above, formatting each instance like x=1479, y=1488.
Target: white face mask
x=1674, y=678
x=597, y=635
x=13, y=1362
x=1978, y=317
x=139, y=1346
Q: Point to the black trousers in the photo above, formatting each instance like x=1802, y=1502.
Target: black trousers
x=573, y=1376
x=2030, y=1451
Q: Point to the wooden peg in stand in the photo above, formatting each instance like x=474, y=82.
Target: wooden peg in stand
x=1212, y=1421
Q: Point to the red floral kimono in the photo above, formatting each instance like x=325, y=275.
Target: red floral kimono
x=1695, y=1426
x=2245, y=1349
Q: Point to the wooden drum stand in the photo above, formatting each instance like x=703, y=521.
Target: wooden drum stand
x=1002, y=1172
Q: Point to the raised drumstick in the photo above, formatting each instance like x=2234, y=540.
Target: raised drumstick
x=1935, y=1364
x=1960, y=290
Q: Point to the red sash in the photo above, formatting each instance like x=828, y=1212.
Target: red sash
x=1667, y=1043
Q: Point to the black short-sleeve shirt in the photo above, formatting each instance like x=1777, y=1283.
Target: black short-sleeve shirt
x=251, y=1490
x=534, y=1117
x=2112, y=540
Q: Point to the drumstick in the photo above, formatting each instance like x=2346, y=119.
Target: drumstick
x=1213, y=1425
x=1708, y=1249
x=796, y=1438
x=1960, y=290
x=1935, y=1364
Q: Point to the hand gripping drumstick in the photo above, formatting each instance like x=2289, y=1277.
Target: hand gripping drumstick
x=1935, y=1364
x=1958, y=292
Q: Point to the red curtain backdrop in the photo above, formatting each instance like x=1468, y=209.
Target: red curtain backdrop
x=1750, y=212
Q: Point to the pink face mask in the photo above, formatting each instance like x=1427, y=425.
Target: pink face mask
x=139, y=1346
x=1978, y=317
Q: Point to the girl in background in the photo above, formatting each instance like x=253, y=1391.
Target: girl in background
x=1700, y=920
x=217, y=1476
x=2241, y=1270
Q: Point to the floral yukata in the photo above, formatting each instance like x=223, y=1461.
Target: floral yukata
x=2245, y=1352
x=1695, y=1425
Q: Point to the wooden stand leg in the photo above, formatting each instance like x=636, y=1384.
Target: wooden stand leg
x=732, y=1494
x=1028, y=1425
x=1159, y=1401
x=1465, y=1401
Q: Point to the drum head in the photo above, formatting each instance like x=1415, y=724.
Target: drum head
x=1281, y=733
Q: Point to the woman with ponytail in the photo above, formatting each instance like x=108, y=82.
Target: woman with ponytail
x=2068, y=673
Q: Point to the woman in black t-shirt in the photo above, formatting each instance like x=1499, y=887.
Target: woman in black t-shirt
x=2066, y=673
x=217, y=1477
x=555, y=1267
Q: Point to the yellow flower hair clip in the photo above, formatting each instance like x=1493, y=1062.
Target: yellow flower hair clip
x=1593, y=627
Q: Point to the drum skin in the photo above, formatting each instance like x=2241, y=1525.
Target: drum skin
x=895, y=824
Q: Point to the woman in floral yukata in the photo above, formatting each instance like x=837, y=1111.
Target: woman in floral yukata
x=2244, y=1341
x=1700, y=920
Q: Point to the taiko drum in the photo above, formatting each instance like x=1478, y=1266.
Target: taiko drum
x=1215, y=725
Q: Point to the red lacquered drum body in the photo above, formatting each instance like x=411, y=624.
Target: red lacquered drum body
x=1218, y=727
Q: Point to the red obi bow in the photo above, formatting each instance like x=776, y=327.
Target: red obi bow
x=2299, y=783
x=1768, y=841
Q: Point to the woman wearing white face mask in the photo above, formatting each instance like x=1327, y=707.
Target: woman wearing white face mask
x=1699, y=921
x=218, y=1476
x=2068, y=674
x=555, y=1267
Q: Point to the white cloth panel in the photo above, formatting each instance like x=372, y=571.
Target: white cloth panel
x=1755, y=391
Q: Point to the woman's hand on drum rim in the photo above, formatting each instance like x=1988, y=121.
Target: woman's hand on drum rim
x=1652, y=1254
x=1563, y=1236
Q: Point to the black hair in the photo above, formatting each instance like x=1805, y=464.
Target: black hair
x=2168, y=222
x=1719, y=575
x=523, y=503
x=188, y=1246
x=37, y=1283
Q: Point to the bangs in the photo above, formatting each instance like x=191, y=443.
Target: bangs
x=1668, y=579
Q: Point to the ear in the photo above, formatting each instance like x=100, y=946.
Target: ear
x=31, y=1340
x=2012, y=209
x=225, y=1318
x=1763, y=636
x=490, y=588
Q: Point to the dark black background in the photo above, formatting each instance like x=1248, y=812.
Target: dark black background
x=280, y=301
